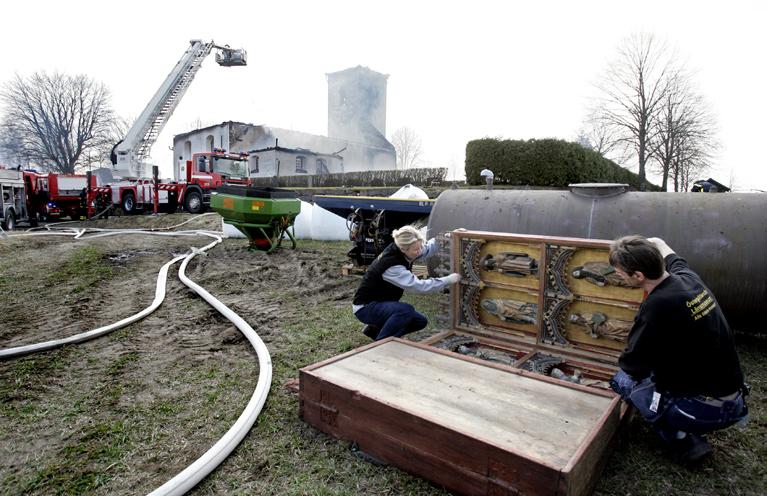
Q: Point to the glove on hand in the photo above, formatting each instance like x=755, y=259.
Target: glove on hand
x=452, y=278
x=662, y=246
x=460, y=229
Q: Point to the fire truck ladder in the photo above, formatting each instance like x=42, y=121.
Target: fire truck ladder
x=134, y=149
x=177, y=86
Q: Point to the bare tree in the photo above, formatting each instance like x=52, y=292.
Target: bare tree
x=634, y=89
x=11, y=147
x=599, y=135
x=100, y=154
x=684, y=134
x=407, y=145
x=692, y=160
x=57, y=117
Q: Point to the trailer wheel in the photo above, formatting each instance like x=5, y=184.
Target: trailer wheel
x=129, y=203
x=10, y=221
x=193, y=202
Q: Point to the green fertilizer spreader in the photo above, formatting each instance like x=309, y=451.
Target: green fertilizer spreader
x=264, y=215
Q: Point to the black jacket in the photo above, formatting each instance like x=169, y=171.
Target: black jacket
x=373, y=286
x=681, y=338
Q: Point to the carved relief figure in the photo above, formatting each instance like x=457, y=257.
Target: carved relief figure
x=488, y=354
x=598, y=273
x=599, y=325
x=511, y=264
x=519, y=312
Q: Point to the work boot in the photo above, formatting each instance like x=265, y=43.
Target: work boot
x=691, y=449
x=371, y=331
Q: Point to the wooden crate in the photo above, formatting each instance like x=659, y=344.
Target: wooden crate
x=484, y=416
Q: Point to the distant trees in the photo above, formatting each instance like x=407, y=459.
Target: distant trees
x=599, y=135
x=56, y=120
x=100, y=154
x=648, y=110
x=683, y=141
x=197, y=124
x=407, y=145
x=11, y=149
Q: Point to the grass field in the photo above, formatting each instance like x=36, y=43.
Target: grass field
x=124, y=422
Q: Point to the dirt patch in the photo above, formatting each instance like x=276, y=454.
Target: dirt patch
x=183, y=365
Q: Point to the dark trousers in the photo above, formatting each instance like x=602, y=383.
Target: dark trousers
x=393, y=318
x=671, y=414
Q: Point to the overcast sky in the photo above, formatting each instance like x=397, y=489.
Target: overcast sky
x=457, y=70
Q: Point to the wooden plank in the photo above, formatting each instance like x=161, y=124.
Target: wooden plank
x=452, y=459
x=344, y=355
x=510, y=336
x=512, y=411
x=588, y=464
x=519, y=371
x=533, y=238
x=351, y=269
x=365, y=421
x=436, y=338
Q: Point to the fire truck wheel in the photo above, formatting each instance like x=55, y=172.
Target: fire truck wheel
x=10, y=222
x=33, y=220
x=193, y=202
x=129, y=203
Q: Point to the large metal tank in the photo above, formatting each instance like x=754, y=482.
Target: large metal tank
x=723, y=236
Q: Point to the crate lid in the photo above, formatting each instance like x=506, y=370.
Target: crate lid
x=556, y=293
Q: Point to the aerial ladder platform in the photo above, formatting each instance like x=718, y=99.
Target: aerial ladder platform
x=129, y=155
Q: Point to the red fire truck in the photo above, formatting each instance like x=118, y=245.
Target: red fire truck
x=126, y=184
x=54, y=196
x=206, y=171
x=34, y=196
x=197, y=178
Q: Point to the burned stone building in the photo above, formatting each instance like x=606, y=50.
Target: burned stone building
x=356, y=139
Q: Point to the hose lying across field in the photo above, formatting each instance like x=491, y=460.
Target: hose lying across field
x=194, y=473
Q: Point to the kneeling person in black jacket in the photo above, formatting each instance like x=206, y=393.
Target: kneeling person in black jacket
x=376, y=301
x=680, y=368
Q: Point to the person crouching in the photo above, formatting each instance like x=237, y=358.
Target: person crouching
x=376, y=302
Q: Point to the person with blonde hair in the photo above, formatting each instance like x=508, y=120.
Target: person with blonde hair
x=376, y=302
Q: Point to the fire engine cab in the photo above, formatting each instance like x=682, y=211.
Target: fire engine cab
x=208, y=171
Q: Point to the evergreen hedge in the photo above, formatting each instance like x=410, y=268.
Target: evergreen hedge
x=417, y=177
x=546, y=163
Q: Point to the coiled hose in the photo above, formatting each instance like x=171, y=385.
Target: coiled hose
x=200, y=468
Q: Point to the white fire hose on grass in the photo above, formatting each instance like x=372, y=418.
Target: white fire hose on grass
x=159, y=296
x=200, y=468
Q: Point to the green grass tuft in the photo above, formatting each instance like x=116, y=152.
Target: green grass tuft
x=84, y=268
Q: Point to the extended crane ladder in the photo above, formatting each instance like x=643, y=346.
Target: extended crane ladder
x=162, y=112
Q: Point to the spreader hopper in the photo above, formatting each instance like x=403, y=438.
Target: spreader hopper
x=264, y=215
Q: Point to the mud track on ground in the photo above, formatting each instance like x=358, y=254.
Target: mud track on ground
x=54, y=403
